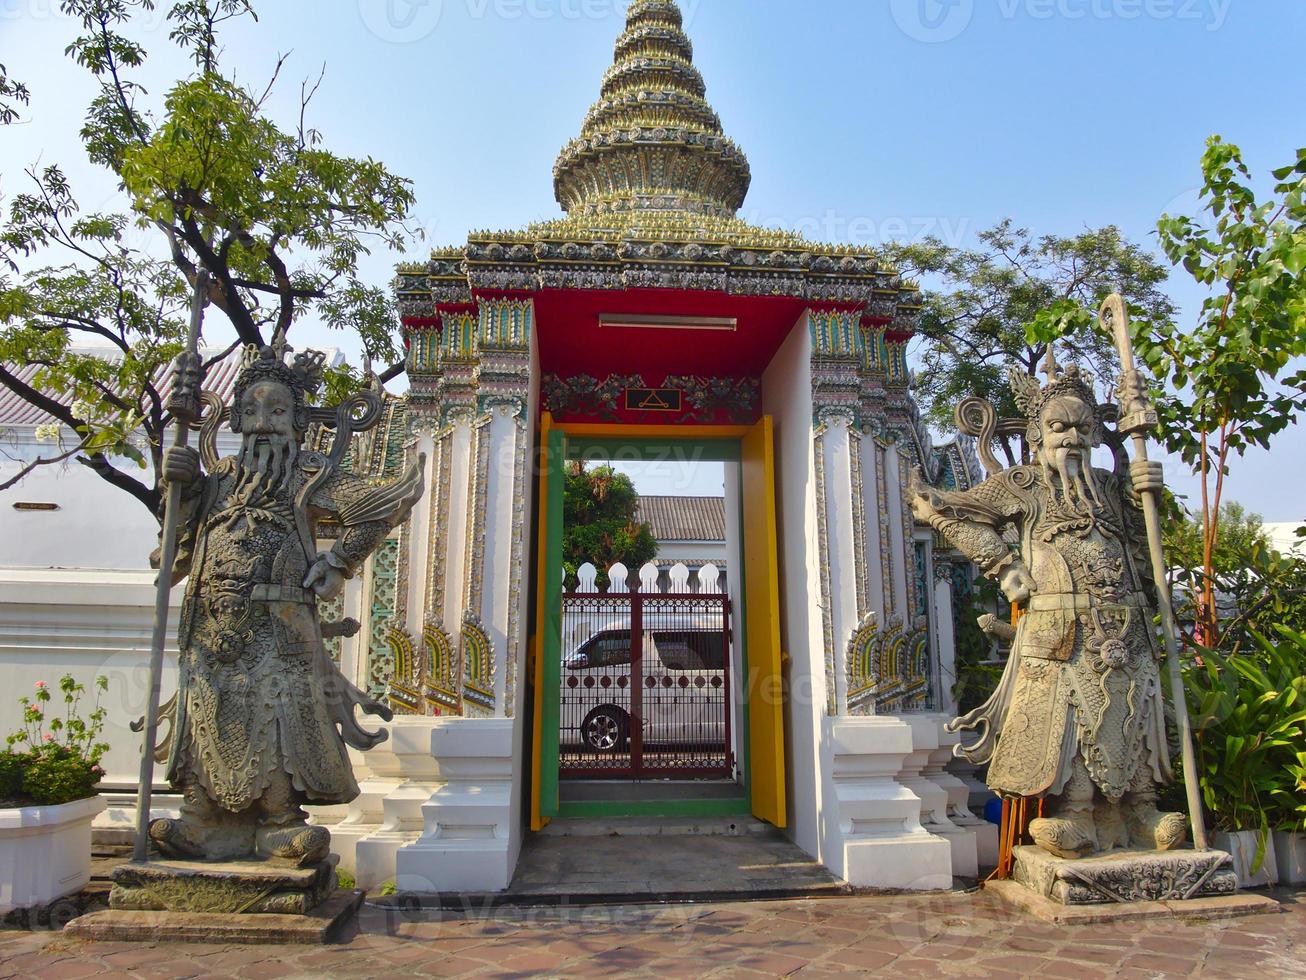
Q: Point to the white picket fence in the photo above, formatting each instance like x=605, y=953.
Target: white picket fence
x=580, y=623
x=680, y=580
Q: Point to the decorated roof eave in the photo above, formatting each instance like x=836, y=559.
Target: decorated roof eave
x=777, y=264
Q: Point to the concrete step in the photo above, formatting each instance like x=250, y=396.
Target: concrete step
x=655, y=827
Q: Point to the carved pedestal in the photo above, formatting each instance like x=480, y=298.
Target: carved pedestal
x=1124, y=885
x=237, y=887
x=236, y=902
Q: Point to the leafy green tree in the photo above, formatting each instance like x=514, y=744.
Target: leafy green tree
x=1258, y=587
x=12, y=95
x=973, y=324
x=1229, y=383
x=276, y=220
x=1242, y=534
x=599, y=524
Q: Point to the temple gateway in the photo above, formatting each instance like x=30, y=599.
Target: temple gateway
x=805, y=682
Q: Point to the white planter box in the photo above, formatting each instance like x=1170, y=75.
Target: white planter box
x=1290, y=852
x=45, y=852
x=1242, y=845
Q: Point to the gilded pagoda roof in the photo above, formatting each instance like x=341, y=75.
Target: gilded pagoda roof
x=651, y=189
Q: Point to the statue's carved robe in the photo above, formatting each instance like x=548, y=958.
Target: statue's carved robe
x=258, y=692
x=1083, y=678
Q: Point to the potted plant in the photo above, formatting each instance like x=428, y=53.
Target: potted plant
x=1249, y=721
x=48, y=777
x=1290, y=836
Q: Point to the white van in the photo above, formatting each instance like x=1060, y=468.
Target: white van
x=684, y=686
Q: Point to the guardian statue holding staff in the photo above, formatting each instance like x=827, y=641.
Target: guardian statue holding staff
x=263, y=716
x=1078, y=717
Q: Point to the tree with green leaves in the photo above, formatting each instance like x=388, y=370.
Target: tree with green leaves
x=974, y=318
x=276, y=220
x=1229, y=382
x=1233, y=379
x=1257, y=587
x=599, y=523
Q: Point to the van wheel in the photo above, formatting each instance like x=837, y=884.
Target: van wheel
x=605, y=729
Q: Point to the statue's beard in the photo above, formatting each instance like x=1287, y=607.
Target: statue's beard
x=1073, y=481
x=264, y=465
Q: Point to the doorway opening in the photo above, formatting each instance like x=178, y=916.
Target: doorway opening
x=647, y=650
x=649, y=668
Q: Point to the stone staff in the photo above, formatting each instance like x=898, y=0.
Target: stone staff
x=184, y=405
x=1137, y=416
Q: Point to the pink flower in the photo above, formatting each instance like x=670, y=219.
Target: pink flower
x=40, y=685
x=47, y=737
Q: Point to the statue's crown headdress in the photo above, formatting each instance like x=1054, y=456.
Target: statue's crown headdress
x=303, y=375
x=1070, y=380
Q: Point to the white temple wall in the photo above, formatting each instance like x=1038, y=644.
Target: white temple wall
x=787, y=397
x=85, y=623
x=840, y=556
x=471, y=822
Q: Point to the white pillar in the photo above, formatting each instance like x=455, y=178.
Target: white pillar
x=840, y=576
x=876, y=525
x=898, y=542
x=944, y=630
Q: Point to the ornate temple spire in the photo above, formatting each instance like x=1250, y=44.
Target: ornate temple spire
x=652, y=142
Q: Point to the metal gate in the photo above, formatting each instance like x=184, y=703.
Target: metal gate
x=645, y=686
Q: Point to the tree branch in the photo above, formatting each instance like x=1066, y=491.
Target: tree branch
x=39, y=461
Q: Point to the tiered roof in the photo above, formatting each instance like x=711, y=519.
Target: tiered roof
x=651, y=188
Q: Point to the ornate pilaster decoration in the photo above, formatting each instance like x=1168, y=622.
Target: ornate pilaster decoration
x=381, y=615
x=863, y=650
x=516, y=562
x=457, y=386
x=425, y=680
x=478, y=495
x=836, y=352
x=503, y=339
x=823, y=546
x=442, y=682
x=889, y=670
x=478, y=668
x=912, y=605
x=861, y=569
x=438, y=526
x=882, y=502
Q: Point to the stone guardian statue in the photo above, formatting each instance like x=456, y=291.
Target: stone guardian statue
x=263, y=716
x=1078, y=718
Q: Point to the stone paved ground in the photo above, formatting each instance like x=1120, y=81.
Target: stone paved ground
x=949, y=935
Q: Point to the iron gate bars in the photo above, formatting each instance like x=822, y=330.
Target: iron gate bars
x=645, y=686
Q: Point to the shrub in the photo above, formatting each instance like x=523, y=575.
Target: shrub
x=1249, y=722
x=54, y=760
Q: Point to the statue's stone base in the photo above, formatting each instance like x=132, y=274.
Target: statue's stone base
x=1125, y=876
x=232, y=888
x=317, y=927
x=1124, y=885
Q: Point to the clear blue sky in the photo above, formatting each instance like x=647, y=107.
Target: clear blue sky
x=863, y=119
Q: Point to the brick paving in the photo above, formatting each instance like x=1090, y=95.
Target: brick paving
x=941, y=935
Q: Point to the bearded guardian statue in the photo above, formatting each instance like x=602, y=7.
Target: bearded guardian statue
x=1078, y=718
x=262, y=716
